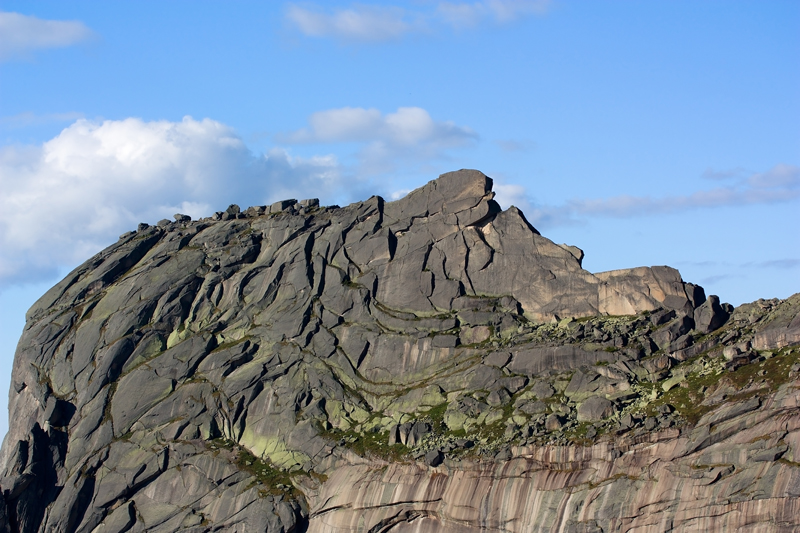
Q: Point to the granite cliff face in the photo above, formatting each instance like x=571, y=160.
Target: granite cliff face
x=429, y=364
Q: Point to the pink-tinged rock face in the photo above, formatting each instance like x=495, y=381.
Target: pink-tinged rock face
x=672, y=480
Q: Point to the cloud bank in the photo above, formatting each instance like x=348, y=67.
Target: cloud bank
x=22, y=34
x=362, y=23
x=69, y=197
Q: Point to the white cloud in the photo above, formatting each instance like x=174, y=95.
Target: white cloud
x=778, y=177
x=508, y=194
x=367, y=23
x=21, y=34
x=339, y=125
x=779, y=184
x=67, y=198
x=778, y=263
x=508, y=10
x=722, y=175
x=407, y=126
x=470, y=14
x=359, y=23
x=408, y=133
x=514, y=146
x=399, y=193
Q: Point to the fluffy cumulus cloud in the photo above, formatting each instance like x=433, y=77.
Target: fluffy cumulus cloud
x=67, y=198
x=408, y=126
x=21, y=34
x=408, y=133
x=369, y=23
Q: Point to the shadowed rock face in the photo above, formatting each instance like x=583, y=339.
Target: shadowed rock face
x=429, y=364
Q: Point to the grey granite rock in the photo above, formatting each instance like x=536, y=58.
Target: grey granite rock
x=594, y=409
x=672, y=331
x=543, y=390
x=252, y=370
x=710, y=316
x=434, y=458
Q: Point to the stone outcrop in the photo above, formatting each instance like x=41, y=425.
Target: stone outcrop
x=429, y=364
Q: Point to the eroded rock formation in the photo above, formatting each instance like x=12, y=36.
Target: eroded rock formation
x=429, y=364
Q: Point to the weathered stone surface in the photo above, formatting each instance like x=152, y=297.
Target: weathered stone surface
x=594, y=409
x=429, y=364
x=543, y=390
x=672, y=331
x=710, y=316
x=434, y=458
x=607, y=486
x=537, y=359
x=782, y=329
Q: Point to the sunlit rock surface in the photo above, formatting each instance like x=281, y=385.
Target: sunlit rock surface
x=429, y=364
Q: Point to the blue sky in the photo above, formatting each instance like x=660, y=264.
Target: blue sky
x=645, y=133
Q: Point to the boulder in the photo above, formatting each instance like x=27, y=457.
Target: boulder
x=498, y=397
x=673, y=330
x=543, y=390
x=434, y=458
x=595, y=409
x=554, y=422
x=710, y=316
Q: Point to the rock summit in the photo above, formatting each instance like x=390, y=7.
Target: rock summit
x=428, y=364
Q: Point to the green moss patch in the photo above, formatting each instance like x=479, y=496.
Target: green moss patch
x=687, y=398
x=369, y=444
x=275, y=480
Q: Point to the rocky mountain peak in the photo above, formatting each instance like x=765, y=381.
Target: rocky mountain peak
x=469, y=244
x=461, y=198
x=428, y=364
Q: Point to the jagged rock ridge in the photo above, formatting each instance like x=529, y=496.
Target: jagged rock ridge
x=429, y=364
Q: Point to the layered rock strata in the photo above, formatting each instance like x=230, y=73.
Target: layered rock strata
x=429, y=364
